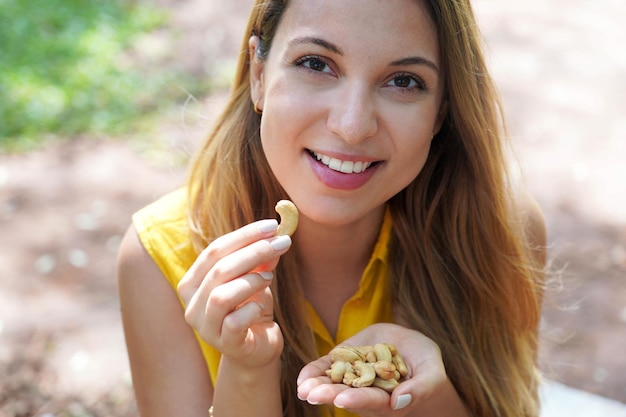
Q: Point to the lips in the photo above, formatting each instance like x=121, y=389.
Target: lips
x=342, y=174
x=345, y=167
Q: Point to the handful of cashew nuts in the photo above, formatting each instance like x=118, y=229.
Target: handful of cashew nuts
x=288, y=217
x=367, y=366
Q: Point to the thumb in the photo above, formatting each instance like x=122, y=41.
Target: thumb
x=425, y=379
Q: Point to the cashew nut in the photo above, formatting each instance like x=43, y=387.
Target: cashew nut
x=382, y=352
x=349, y=378
x=288, y=217
x=346, y=354
x=400, y=364
x=392, y=349
x=370, y=356
x=362, y=366
x=337, y=371
x=385, y=370
x=386, y=384
x=366, y=374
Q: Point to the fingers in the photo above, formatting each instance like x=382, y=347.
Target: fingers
x=314, y=369
x=220, y=247
x=233, y=255
x=232, y=306
x=316, y=388
x=249, y=258
x=239, y=326
x=426, y=378
x=227, y=296
x=321, y=390
x=361, y=398
x=260, y=254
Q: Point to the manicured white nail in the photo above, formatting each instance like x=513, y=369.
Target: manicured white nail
x=280, y=242
x=266, y=275
x=403, y=401
x=338, y=405
x=267, y=226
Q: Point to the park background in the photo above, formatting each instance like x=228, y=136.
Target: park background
x=101, y=104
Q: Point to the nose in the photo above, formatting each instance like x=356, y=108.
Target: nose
x=353, y=115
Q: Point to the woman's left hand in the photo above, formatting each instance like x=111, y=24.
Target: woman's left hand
x=426, y=379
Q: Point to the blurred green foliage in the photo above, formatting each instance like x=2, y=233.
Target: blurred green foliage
x=66, y=68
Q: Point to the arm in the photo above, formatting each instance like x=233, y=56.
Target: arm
x=169, y=372
x=229, y=302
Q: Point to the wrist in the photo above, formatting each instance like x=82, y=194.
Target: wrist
x=243, y=390
x=250, y=375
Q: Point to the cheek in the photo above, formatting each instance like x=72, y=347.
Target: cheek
x=287, y=118
x=415, y=160
x=412, y=151
x=271, y=147
x=279, y=142
x=275, y=123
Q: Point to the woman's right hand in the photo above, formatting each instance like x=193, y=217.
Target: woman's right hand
x=228, y=298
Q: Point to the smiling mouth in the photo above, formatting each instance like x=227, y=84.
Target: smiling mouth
x=345, y=167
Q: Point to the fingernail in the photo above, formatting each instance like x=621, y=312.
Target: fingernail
x=403, y=401
x=266, y=275
x=266, y=226
x=338, y=405
x=280, y=243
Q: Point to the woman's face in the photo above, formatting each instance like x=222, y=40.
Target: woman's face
x=351, y=94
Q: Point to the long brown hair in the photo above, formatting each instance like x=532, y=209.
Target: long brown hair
x=461, y=271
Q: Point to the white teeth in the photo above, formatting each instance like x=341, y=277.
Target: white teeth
x=335, y=164
x=347, y=167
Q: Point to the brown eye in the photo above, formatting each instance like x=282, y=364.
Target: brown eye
x=407, y=83
x=317, y=65
x=403, y=81
x=314, y=63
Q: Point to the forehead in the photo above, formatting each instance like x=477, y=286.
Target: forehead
x=381, y=25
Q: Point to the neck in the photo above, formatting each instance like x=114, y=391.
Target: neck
x=328, y=252
x=332, y=261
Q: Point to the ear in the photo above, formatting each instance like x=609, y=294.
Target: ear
x=441, y=116
x=256, y=72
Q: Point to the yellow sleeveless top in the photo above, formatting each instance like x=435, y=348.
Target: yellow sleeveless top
x=163, y=229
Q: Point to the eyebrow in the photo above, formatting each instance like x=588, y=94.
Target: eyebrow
x=317, y=41
x=415, y=60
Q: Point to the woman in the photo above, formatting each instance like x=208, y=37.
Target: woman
x=380, y=122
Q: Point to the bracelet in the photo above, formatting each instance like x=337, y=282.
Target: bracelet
x=211, y=411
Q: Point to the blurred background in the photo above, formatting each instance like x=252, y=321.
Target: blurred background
x=101, y=104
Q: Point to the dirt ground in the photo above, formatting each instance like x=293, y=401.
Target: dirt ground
x=63, y=208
